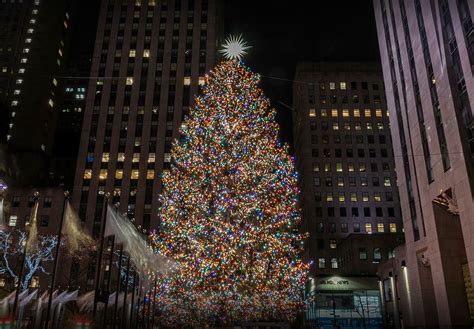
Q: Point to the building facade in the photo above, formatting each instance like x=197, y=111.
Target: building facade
x=349, y=197
x=149, y=59
x=427, y=53
x=34, y=41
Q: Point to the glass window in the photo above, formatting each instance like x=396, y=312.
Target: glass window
x=362, y=167
x=312, y=113
x=342, y=197
x=334, y=113
x=387, y=182
x=340, y=181
x=377, y=197
x=132, y=53
x=368, y=228
x=377, y=254
x=134, y=174
x=316, y=167
x=345, y=113
x=329, y=197
x=327, y=167
x=356, y=113
x=367, y=113
x=332, y=85
x=88, y=174
x=363, y=253
x=334, y=263
x=129, y=81
x=335, y=126
x=393, y=227
x=356, y=227
x=332, y=244
x=353, y=196
x=378, y=113
x=119, y=174
x=103, y=174
x=343, y=85
x=380, y=228
x=146, y=53
x=350, y=167
x=339, y=167
x=324, y=113
x=187, y=81
x=322, y=263
x=47, y=201
x=150, y=174
x=12, y=221
x=365, y=196
x=136, y=157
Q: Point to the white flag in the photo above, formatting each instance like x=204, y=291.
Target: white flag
x=69, y=297
x=29, y=298
x=22, y=295
x=58, y=299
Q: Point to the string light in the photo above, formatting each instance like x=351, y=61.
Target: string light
x=229, y=211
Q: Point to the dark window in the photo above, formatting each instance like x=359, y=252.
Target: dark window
x=47, y=202
x=356, y=227
x=391, y=212
x=355, y=212
x=366, y=212
x=44, y=220
x=320, y=243
x=16, y=201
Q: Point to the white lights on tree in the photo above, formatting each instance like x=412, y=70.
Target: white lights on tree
x=234, y=47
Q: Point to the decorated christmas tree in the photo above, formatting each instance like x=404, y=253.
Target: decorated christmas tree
x=229, y=210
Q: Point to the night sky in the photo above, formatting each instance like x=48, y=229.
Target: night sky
x=281, y=33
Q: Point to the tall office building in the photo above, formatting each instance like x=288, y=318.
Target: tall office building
x=34, y=36
x=349, y=196
x=427, y=52
x=150, y=58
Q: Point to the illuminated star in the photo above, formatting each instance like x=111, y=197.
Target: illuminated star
x=234, y=47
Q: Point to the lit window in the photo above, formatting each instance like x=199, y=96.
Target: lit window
x=30, y=31
x=136, y=157
x=60, y=52
x=121, y=157
x=12, y=220
x=28, y=40
x=50, y=102
x=134, y=174
x=343, y=86
x=393, y=227
x=4, y=69
x=345, y=113
x=327, y=167
x=65, y=24
x=322, y=263
x=312, y=113
x=362, y=253
x=353, y=196
x=88, y=174
x=332, y=85
x=103, y=174
x=14, y=103
x=146, y=53
x=32, y=21
x=380, y=228
x=368, y=228
x=129, y=81
x=334, y=263
x=23, y=60
x=335, y=126
x=150, y=174
x=16, y=92
x=26, y=50
x=377, y=197
x=151, y=157
x=369, y=125
x=379, y=125
x=367, y=113
x=342, y=197
x=201, y=81
x=105, y=157
x=21, y=71
x=377, y=254
x=167, y=157
x=365, y=197
x=357, y=126
x=55, y=82
x=132, y=53
x=35, y=11
x=340, y=181
x=339, y=167
x=329, y=197
x=356, y=113
x=187, y=81
x=35, y=282
x=378, y=113
x=347, y=126
x=332, y=244
x=334, y=113
x=119, y=173
x=362, y=167
x=387, y=182
x=350, y=167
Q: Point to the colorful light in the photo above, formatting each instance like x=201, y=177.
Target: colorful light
x=229, y=211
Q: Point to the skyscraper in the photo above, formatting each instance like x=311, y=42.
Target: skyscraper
x=149, y=60
x=34, y=38
x=349, y=196
x=427, y=52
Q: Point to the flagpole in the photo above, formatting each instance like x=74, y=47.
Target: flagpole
x=99, y=257
x=123, y=319
x=117, y=287
x=154, y=305
x=107, y=287
x=20, y=275
x=135, y=279
x=56, y=258
x=138, y=305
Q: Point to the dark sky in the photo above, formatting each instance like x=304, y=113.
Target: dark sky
x=282, y=33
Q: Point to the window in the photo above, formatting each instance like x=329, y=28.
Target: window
x=342, y=85
x=353, y=196
x=316, y=167
x=187, y=81
x=335, y=126
x=367, y=113
x=88, y=174
x=134, y=174
x=342, y=197
x=332, y=244
x=393, y=227
x=334, y=113
x=363, y=253
x=350, y=167
x=340, y=181
x=329, y=197
x=132, y=53
x=332, y=85
x=136, y=157
x=16, y=201
x=377, y=254
x=344, y=227
x=380, y=228
x=316, y=181
x=377, y=197
x=151, y=157
x=146, y=53
x=121, y=157
x=44, y=220
x=368, y=228
x=339, y=167
x=362, y=167
x=322, y=263
x=345, y=113
x=356, y=227
x=103, y=174
x=150, y=174
x=129, y=81
x=118, y=174
x=334, y=263
x=365, y=196
x=12, y=221
x=389, y=196
x=105, y=157
x=387, y=182
x=378, y=113
x=47, y=202
x=312, y=113
x=324, y=113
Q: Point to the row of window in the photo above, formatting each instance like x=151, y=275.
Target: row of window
x=103, y=174
x=341, y=197
x=327, y=153
x=333, y=99
x=47, y=201
x=344, y=228
x=326, y=167
x=43, y=220
x=363, y=255
x=331, y=212
x=342, y=85
x=347, y=125
x=346, y=113
x=359, y=139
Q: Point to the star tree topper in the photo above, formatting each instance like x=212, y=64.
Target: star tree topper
x=234, y=47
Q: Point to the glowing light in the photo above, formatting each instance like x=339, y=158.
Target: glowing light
x=234, y=47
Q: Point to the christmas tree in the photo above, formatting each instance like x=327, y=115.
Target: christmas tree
x=229, y=210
